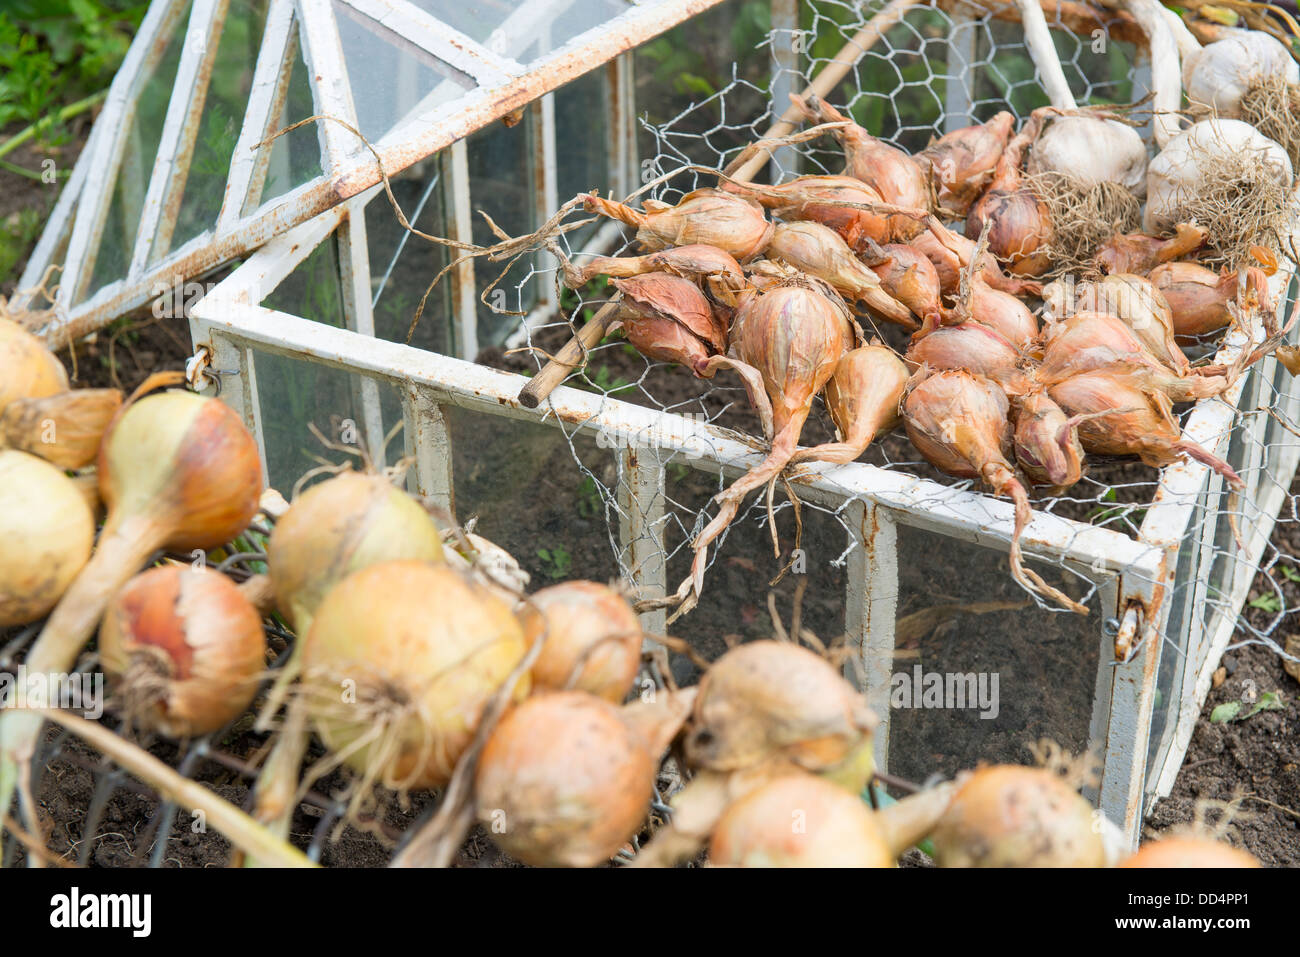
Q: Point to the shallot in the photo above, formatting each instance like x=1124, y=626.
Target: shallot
x=1201, y=300
x=907, y=275
x=1018, y=222
x=961, y=163
x=862, y=397
x=1139, y=253
x=708, y=217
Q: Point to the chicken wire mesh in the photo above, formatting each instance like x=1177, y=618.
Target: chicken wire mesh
x=586, y=512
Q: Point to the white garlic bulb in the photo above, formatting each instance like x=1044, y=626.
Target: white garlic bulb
x=1092, y=150
x=1218, y=75
x=1175, y=174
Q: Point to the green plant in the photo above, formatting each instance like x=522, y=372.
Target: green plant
x=18, y=233
x=556, y=562
x=1231, y=710
x=602, y=380
x=1268, y=602
x=590, y=503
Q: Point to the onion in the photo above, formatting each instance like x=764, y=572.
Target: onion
x=487, y=563
x=1215, y=151
x=888, y=170
x=973, y=347
x=954, y=254
x=1189, y=852
x=401, y=659
x=1138, y=253
x=65, y=428
x=563, y=781
x=1018, y=222
x=1123, y=419
x=717, y=270
x=1220, y=75
x=653, y=297
x=767, y=700
x=818, y=251
x=1134, y=300
x=958, y=422
x=710, y=217
x=47, y=531
x=821, y=199
x=186, y=648
x=1091, y=150
x=340, y=526
x=908, y=276
x=798, y=821
x=794, y=334
x=961, y=163
x=592, y=635
x=1002, y=312
x=1100, y=343
x=1199, y=298
x=1047, y=442
x=862, y=396
x=28, y=370
x=1010, y=816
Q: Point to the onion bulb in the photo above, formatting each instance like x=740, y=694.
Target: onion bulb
x=401, y=659
x=862, y=396
x=718, y=271
x=1138, y=253
x=767, y=700
x=711, y=217
x=1220, y=75
x=563, y=781
x=47, y=531
x=822, y=199
x=1199, y=299
x=28, y=370
x=340, y=526
x=1137, y=301
x=798, y=821
x=592, y=639
x=1189, y=852
x=1018, y=221
x=1011, y=816
x=975, y=348
x=185, y=648
x=65, y=428
x=1047, y=442
x=961, y=163
x=907, y=275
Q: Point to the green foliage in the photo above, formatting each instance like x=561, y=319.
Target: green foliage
x=1231, y=710
x=590, y=503
x=56, y=51
x=556, y=561
x=17, y=234
x=1268, y=601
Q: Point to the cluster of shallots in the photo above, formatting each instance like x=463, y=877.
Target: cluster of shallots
x=984, y=390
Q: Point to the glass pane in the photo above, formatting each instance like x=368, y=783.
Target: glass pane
x=295, y=157
x=313, y=290
x=524, y=31
x=582, y=133
x=222, y=117
x=391, y=79
x=402, y=265
x=500, y=182
x=123, y=220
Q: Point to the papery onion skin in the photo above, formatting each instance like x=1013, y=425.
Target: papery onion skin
x=417, y=639
x=1199, y=298
x=1139, y=254
x=862, y=397
x=28, y=370
x=563, y=781
x=1142, y=307
x=710, y=217
x=65, y=428
x=952, y=255
x=198, y=633
x=47, y=530
x=1002, y=312
x=1169, y=852
x=973, y=347
x=339, y=526
x=820, y=199
x=1046, y=442
x=798, y=821
x=1011, y=816
x=909, y=276
x=593, y=639
x=962, y=162
x=768, y=699
x=719, y=272
x=661, y=295
x=1018, y=221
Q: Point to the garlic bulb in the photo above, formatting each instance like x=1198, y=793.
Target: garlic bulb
x=1177, y=176
x=1217, y=76
x=1091, y=150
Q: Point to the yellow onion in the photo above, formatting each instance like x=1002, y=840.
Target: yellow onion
x=862, y=396
x=961, y=163
x=176, y=470
x=794, y=334
x=1199, y=298
x=819, y=251
x=909, y=277
x=1189, y=852
x=952, y=254
x=65, y=428
x=1018, y=222
x=593, y=639
x=766, y=700
x=1011, y=816
x=798, y=821
x=959, y=422
x=973, y=347
x=185, y=648
x=709, y=217
x=401, y=659
x=47, y=530
x=821, y=199
x=1135, y=300
x=1138, y=253
x=717, y=270
x=1124, y=419
x=1097, y=342
x=1047, y=443
x=885, y=168
x=340, y=526
x=563, y=781
x=28, y=370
